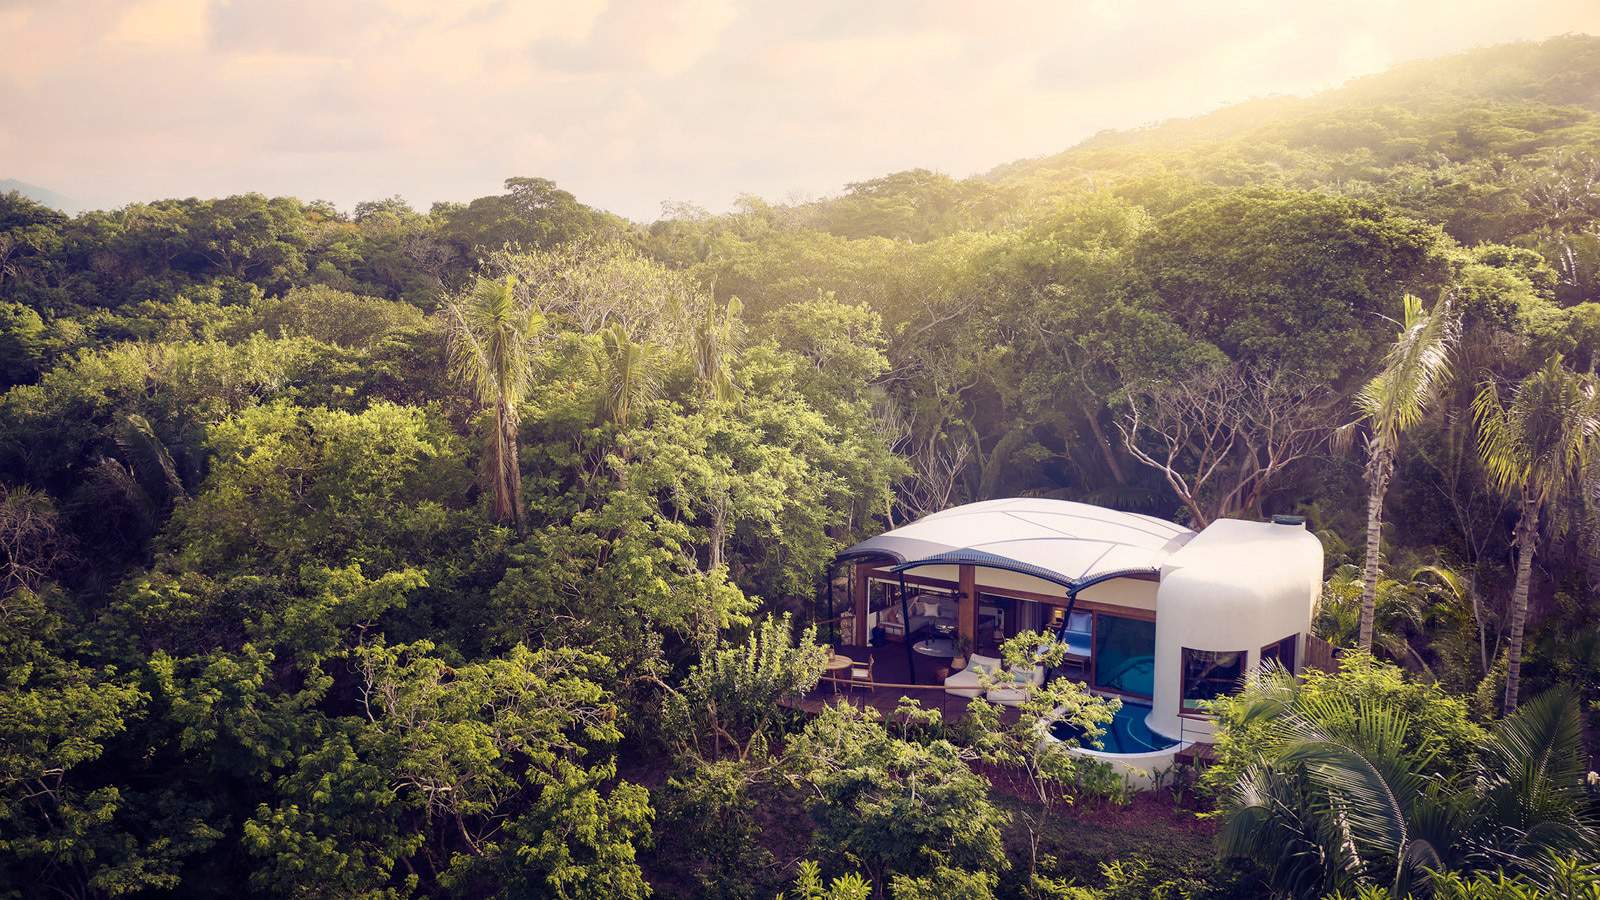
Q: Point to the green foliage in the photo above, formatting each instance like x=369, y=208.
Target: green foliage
x=57, y=718
x=1570, y=879
x=1333, y=789
x=729, y=703
x=909, y=814
x=22, y=344
x=255, y=638
x=808, y=885
x=1400, y=611
x=1438, y=725
x=1233, y=270
x=329, y=315
x=1046, y=765
x=291, y=486
x=708, y=827
x=437, y=763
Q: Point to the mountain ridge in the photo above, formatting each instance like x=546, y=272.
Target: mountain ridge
x=54, y=200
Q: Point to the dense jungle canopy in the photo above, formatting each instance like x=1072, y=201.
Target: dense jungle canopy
x=388, y=552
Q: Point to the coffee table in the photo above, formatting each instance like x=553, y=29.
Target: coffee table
x=837, y=663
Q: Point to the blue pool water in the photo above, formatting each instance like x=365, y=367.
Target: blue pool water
x=1127, y=732
x=1136, y=675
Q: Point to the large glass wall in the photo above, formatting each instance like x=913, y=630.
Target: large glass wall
x=1124, y=654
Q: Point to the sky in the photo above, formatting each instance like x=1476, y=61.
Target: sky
x=629, y=103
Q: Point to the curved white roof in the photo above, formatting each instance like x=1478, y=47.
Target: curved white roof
x=1058, y=540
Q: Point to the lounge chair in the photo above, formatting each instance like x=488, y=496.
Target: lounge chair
x=967, y=682
x=1078, y=634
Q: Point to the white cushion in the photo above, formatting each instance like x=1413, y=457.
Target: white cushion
x=986, y=663
x=966, y=683
x=963, y=684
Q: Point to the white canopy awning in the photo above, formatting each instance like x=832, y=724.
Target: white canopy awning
x=1058, y=540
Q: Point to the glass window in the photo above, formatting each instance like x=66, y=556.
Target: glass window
x=1208, y=674
x=1282, y=652
x=1124, y=654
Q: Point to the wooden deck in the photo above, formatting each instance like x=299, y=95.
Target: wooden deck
x=890, y=667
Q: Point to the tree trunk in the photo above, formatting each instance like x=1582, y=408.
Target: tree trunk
x=508, y=471
x=1106, y=450
x=1477, y=619
x=1379, y=468
x=1527, y=537
x=719, y=534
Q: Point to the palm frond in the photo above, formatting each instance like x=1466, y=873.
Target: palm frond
x=1539, y=749
x=1356, y=755
x=1414, y=369
x=147, y=455
x=491, y=335
x=1500, y=445
x=630, y=371
x=1546, y=437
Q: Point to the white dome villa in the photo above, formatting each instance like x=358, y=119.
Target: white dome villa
x=1154, y=613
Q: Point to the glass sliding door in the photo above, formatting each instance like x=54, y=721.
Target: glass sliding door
x=1124, y=654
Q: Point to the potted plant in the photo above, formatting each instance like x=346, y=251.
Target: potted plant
x=963, y=649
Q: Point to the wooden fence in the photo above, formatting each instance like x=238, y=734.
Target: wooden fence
x=1320, y=654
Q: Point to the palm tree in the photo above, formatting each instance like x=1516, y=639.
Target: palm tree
x=1536, y=448
x=1397, y=613
x=1392, y=402
x=491, y=342
x=629, y=370
x=715, y=343
x=1340, y=795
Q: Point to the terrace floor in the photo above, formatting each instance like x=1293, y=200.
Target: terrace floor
x=890, y=667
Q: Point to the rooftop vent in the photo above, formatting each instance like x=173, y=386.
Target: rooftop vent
x=1299, y=521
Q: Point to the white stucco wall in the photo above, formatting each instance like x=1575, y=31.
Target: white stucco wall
x=1236, y=586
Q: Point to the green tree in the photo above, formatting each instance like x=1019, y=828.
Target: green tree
x=1398, y=614
x=808, y=885
x=22, y=344
x=729, y=703
x=496, y=775
x=716, y=347
x=901, y=811
x=1048, y=767
x=65, y=829
x=1391, y=403
x=1288, y=278
x=1536, y=448
x=491, y=333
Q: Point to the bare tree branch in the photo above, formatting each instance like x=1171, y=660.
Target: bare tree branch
x=1224, y=437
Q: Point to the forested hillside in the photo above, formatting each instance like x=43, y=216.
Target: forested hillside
x=456, y=553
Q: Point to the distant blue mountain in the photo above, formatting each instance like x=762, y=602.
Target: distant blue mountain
x=38, y=194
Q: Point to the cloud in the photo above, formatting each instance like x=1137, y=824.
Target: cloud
x=627, y=102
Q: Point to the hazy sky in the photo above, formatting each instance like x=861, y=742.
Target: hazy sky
x=631, y=102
